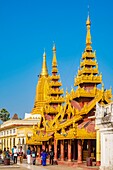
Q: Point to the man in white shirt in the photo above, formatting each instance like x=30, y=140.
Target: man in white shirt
x=15, y=154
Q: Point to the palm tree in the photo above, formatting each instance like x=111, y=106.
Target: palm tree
x=4, y=115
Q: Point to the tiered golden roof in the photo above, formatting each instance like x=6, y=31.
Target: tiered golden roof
x=88, y=72
x=78, y=104
x=48, y=92
x=54, y=85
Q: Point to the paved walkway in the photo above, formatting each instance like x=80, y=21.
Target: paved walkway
x=25, y=166
x=55, y=167
x=33, y=167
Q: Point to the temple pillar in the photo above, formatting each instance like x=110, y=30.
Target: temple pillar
x=39, y=150
x=12, y=143
x=74, y=150
x=69, y=149
x=98, y=148
x=79, y=151
x=89, y=147
x=55, y=149
x=50, y=144
x=43, y=146
x=62, y=149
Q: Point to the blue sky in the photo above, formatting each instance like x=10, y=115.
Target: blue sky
x=29, y=26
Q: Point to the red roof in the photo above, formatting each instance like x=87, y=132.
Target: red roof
x=88, y=125
x=76, y=105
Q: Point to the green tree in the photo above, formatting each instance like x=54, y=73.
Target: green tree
x=4, y=115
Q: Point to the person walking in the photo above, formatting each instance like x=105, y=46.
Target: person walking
x=33, y=154
x=12, y=153
x=28, y=155
x=15, y=154
x=51, y=156
x=44, y=156
x=21, y=152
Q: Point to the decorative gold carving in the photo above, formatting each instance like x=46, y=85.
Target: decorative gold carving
x=58, y=84
x=55, y=99
x=49, y=109
x=55, y=91
x=88, y=71
x=36, y=138
x=88, y=55
x=83, y=134
x=56, y=77
x=84, y=92
x=88, y=62
x=71, y=134
x=88, y=78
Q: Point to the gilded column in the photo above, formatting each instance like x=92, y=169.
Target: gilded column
x=55, y=149
x=69, y=149
x=89, y=147
x=98, y=148
x=62, y=149
x=79, y=151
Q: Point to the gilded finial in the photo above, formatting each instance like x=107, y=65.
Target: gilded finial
x=54, y=47
x=44, y=66
x=88, y=18
x=88, y=36
x=54, y=62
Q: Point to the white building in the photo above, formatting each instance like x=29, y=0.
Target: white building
x=13, y=132
x=104, y=124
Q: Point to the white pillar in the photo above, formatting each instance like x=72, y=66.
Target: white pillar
x=107, y=149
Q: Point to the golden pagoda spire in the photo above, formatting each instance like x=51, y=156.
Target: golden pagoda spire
x=54, y=62
x=44, y=66
x=88, y=35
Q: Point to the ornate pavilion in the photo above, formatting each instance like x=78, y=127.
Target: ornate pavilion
x=67, y=123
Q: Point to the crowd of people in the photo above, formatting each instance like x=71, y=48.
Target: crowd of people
x=31, y=155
